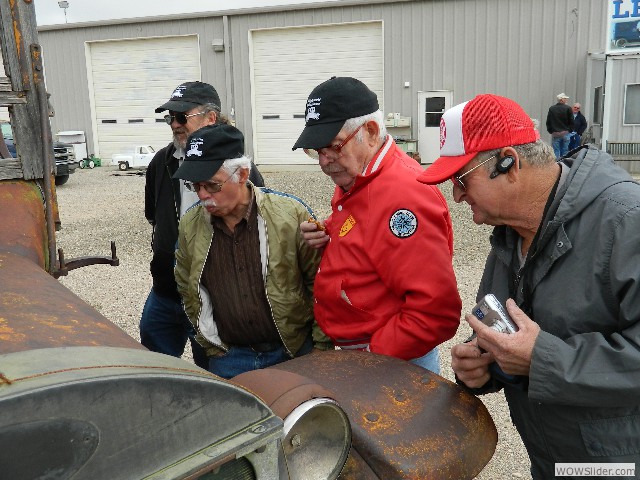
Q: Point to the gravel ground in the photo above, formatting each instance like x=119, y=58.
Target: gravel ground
x=103, y=204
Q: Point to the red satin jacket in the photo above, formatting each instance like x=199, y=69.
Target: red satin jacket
x=386, y=278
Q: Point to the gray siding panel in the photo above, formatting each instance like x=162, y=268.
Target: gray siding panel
x=529, y=50
x=625, y=71
x=66, y=70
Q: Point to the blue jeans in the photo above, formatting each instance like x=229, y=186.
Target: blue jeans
x=243, y=359
x=430, y=361
x=560, y=145
x=165, y=328
x=574, y=141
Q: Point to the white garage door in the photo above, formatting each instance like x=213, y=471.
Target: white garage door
x=288, y=63
x=129, y=79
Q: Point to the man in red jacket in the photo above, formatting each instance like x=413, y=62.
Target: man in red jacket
x=386, y=282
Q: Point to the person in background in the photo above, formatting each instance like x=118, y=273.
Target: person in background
x=579, y=126
x=565, y=261
x=164, y=327
x=386, y=282
x=244, y=273
x=560, y=125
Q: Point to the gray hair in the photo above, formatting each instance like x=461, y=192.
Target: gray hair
x=536, y=154
x=351, y=124
x=209, y=107
x=232, y=166
x=212, y=107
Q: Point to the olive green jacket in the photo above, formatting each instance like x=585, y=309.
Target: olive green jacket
x=289, y=266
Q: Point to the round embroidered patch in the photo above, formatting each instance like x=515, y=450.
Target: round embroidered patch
x=403, y=223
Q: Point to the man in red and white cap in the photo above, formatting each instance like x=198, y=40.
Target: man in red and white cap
x=566, y=261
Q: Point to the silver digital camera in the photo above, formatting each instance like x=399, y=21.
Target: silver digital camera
x=491, y=312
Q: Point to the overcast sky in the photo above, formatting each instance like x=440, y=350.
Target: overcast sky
x=49, y=13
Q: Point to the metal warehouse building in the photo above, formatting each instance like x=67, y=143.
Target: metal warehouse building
x=420, y=57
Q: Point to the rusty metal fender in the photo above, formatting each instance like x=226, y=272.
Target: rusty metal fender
x=36, y=311
x=22, y=217
x=407, y=422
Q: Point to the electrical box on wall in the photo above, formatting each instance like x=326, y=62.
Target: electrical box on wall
x=395, y=120
x=403, y=122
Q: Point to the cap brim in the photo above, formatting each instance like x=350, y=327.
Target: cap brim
x=176, y=106
x=444, y=168
x=198, y=170
x=319, y=135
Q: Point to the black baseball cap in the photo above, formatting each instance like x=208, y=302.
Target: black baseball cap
x=330, y=105
x=190, y=95
x=207, y=150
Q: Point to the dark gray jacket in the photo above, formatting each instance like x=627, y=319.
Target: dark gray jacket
x=582, y=287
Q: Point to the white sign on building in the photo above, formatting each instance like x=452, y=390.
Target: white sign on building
x=623, y=26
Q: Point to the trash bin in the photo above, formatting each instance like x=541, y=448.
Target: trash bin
x=78, y=140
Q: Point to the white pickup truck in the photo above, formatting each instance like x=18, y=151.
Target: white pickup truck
x=139, y=158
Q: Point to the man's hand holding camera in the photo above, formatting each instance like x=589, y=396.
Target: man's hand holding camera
x=513, y=351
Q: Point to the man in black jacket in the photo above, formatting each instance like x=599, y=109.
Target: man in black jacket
x=164, y=327
x=560, y=125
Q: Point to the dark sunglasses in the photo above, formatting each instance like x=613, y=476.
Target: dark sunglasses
x=181, y=118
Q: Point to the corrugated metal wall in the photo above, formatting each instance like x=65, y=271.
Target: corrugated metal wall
x=529, y=50
x=624, y=70
x=66, y=69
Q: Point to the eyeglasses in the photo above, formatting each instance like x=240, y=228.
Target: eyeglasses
x=457, y=179
x=335, y=149
x=181, y=118
x=210, y=187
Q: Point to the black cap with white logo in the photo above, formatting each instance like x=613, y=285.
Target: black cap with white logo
x=190, y=95
x=207, y=150
x=330, y=105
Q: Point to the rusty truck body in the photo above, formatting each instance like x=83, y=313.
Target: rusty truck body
x=80, y=399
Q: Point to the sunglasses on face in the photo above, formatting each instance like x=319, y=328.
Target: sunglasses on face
x=335, y=150
x=181, y=118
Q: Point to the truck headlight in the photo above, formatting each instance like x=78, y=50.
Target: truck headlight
x=317, y=439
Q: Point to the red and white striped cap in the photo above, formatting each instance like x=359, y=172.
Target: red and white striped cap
x=485, y=123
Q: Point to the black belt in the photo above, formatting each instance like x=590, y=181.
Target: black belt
x=261, y=347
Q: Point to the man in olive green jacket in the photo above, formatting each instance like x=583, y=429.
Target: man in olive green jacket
x=244, y=273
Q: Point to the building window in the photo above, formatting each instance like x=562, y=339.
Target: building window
x=632, y=104
x=597, y=105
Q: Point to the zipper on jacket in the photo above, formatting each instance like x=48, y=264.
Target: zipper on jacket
x=175, y=204
x=266, y=292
